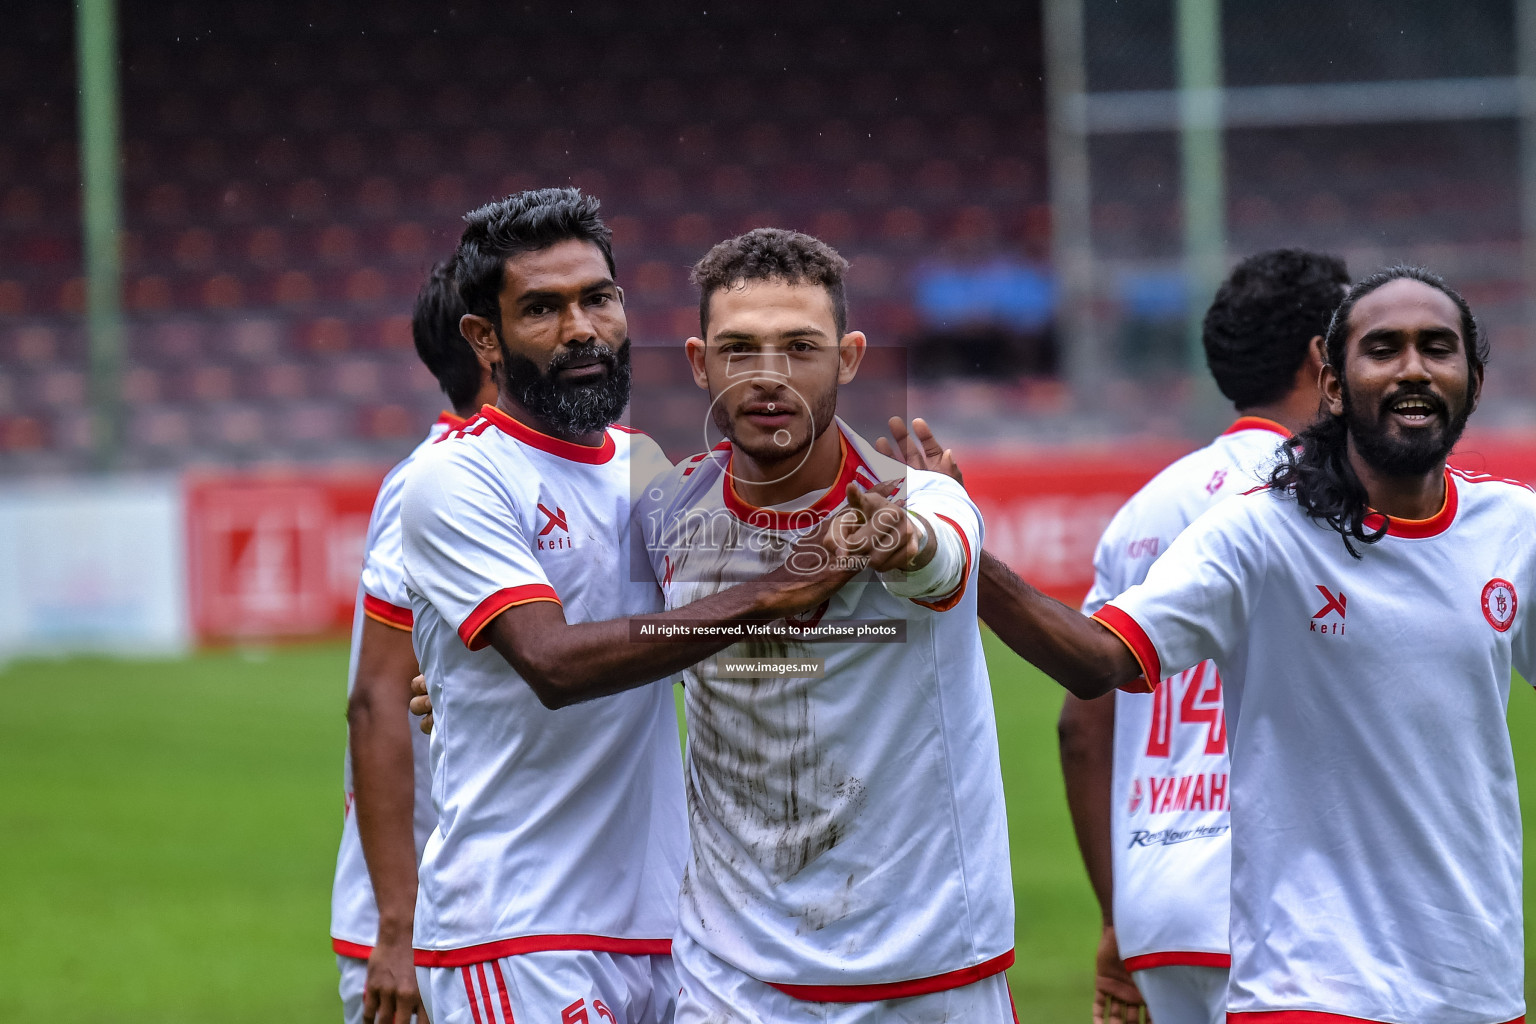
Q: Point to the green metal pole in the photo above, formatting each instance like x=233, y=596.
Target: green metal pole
x=1199, y=58
x=1071, y=194
x=101, y=214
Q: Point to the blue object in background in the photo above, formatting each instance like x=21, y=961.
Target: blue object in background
x=1154, y=294
x=1000, y=292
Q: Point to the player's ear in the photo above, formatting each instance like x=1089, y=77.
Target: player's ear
x=1309, y=375
x=850, y=353
x=481, y=335
x=620, y=292
x=696, y=349
x=1332, y=386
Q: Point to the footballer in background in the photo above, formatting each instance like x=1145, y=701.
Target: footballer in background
x=849, y=842
x=388, y=785
x=1147, y=774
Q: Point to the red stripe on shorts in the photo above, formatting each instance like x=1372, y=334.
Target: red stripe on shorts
x=469, y=990
x=485, y=990
x=501, y=986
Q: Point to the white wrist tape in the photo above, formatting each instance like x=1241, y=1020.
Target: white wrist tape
x=940, y=577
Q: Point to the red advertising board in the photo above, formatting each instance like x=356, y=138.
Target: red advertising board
x=1044, y=512
x=275, y=556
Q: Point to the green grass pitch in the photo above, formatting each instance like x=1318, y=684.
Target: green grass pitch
x=168, y=831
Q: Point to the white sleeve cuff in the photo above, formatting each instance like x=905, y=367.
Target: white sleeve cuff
x=940, y=577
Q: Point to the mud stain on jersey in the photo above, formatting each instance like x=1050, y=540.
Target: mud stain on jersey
x=766, y=799
x=759, y=773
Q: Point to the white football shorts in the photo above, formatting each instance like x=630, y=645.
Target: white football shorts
x=1180, y=994
x=555, y=987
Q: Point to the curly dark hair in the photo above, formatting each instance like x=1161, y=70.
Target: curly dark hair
x=523, y=222
x=1315, y=463
x=772, y=254
x=435, y=329
x=1264, y=316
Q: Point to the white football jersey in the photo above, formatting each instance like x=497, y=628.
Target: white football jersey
x=380, y=595
x=1376, y=862
x=849, y=832
x=556, y=829
x=1168, y=801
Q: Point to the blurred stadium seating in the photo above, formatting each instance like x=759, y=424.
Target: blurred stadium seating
x=291, y=168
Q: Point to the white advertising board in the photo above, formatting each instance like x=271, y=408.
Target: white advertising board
x=93, y=565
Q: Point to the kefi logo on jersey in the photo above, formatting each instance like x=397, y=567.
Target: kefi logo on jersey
x=1499, y=604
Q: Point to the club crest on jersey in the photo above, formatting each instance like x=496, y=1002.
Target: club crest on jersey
x=1321, y=619
x=1500, y=603
x=555, y=524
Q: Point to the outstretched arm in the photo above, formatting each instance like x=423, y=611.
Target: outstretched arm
x=1076, y=651
x=567, y=664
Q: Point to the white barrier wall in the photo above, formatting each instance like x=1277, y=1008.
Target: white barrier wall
x=93, y=565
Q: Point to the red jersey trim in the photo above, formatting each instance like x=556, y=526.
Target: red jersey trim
x=469, y=955
x=389, y=614
x=357, y=951
x=587, y=454
x=1133, y=636
x=946, y=603
x=795, y=519
x=899, y=989
x=497, y=603
x=1420, y=528
x=1147, y=961
x=1310, y=1017
x=449, y=420
x=1256, y=423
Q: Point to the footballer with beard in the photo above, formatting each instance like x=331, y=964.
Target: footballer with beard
x=1365, y=610
x=548, y=890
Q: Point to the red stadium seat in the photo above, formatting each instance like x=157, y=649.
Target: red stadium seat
x=211, y=383
x=151, y=293
x=141, y=386
x=358, y=378
x=294, y=288
x=367, y=286
x=223, y=291
x=13, y=298
x=161, y=427
x=284, y=381
x=336, y=245
x=327, y=334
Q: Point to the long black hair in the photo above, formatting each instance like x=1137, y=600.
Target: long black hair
x=1315, y=463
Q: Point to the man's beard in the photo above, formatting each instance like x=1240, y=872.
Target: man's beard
x=767, y=451
x=570, y=409
x=1419, y=451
